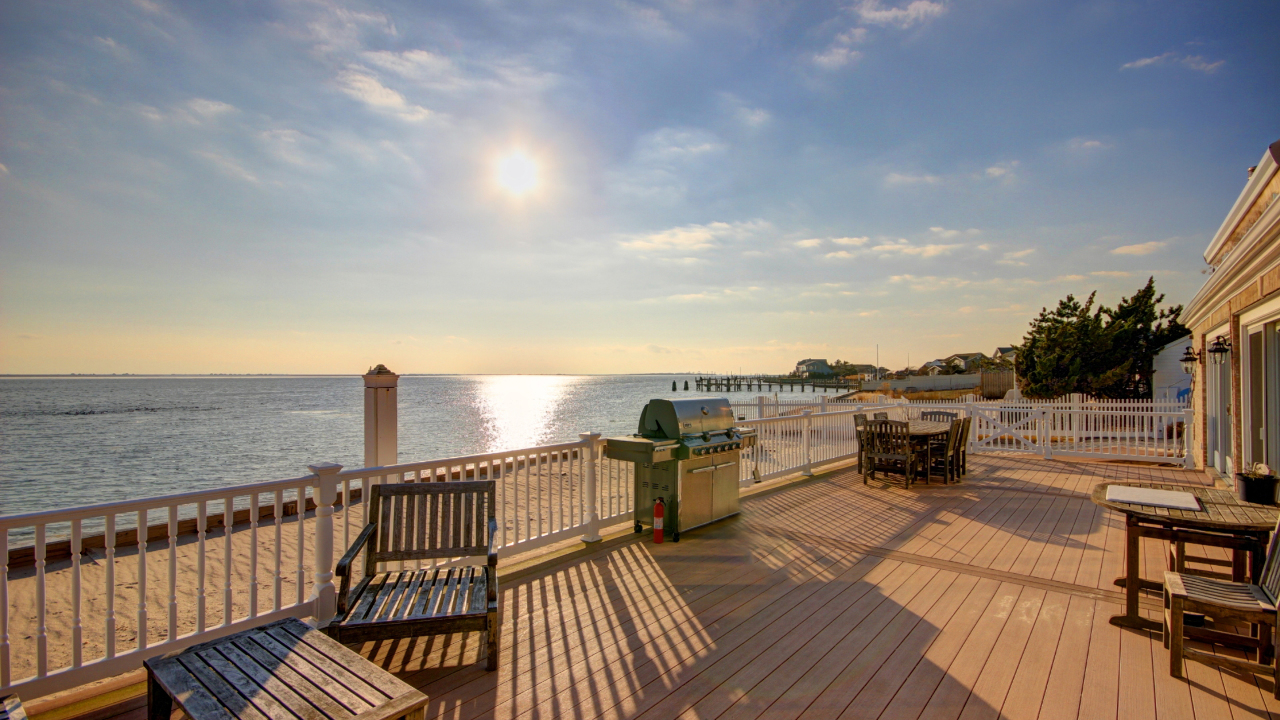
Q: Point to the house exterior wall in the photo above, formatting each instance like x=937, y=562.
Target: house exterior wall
x=1245, y=283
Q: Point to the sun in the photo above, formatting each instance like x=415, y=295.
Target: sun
x=517, y=173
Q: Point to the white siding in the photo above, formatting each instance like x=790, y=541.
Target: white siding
x=1169, y=379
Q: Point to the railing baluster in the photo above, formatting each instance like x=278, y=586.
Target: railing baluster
x=346, y=513
x=109, y=551
x=77, y=630
x=253, y=555
x=142, y=579
x=4, y=607
x=173, y=572
x=42, y=630
x=228, y=520
x=202, y=526
x=302, y=507
x=278, y=580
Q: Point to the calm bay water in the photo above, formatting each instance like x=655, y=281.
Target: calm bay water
x=80, y=441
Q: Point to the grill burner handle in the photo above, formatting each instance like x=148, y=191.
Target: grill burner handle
x=712, y=468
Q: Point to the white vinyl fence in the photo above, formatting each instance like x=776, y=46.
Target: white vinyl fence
x=90, y=592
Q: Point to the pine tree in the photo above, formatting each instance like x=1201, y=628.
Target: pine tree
x=1105, y=352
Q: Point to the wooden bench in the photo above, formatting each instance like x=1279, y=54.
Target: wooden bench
x=411, y=522
x=285, y=669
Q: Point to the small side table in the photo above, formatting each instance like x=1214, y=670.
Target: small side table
x=284, y=669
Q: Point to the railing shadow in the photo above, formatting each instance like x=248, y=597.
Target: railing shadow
x=724, y=624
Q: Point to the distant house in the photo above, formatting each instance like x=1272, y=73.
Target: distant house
x=811, y=367
x=1170, y=381
x=933, y=367
x=862, y=372
x=1005, y=353
x=965, y=362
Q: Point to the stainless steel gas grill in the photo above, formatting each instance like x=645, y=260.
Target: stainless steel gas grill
x=687, y=453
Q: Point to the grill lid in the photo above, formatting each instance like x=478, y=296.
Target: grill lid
x=674, y=418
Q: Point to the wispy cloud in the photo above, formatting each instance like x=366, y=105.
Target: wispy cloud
x=1192, y=62
x=913, y=13
x=902, y=247
x=836, y=56
x=1145, y=248
x=898, y=179
x=693, y=238
x=1016, y=257
x=946, y=233
x=1111, y=273
x=209, y=108
x=378, y=97
x=1087, y=144
x=228, y=166
x=810, y=243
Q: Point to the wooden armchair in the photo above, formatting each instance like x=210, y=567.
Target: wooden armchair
x=414, y=522
x=880, y=416
x=1225, y=602
x=889, y=447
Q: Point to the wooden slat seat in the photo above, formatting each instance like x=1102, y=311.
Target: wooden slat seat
x=412, y=522
x=410, y=596
x=1228, y=594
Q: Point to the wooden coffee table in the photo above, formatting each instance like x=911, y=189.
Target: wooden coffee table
x=281, y=670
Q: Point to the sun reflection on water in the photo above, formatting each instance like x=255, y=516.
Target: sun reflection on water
x=520, y=410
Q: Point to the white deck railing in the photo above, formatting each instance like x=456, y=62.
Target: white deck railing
x=84, y=595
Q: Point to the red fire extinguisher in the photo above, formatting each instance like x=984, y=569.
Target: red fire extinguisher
x=659, y=510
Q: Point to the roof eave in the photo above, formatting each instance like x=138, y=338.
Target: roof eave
x=1252, y=189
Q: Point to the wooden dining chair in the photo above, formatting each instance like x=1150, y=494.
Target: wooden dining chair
x=963, y=448
x=1226, y=602
x=860, y=429
x=889, y=448
x=944, y=455
x=880, y=416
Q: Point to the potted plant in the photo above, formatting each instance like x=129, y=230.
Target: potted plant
x=1256, y=485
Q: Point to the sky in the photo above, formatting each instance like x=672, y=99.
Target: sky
x=307, y=186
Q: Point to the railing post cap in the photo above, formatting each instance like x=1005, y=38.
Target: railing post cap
x=380, y=377
x=325, y=468
x=589, y=435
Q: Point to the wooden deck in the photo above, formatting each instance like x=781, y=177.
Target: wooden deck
x=833, y=599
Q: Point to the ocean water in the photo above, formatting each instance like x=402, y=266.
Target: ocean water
x=80, y=441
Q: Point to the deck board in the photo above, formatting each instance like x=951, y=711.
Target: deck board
x=831, y=598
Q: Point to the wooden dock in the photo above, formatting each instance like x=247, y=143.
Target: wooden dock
x=767, y=383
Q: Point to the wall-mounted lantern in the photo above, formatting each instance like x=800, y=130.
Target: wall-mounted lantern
x=1190, y=359
x=1220, y=349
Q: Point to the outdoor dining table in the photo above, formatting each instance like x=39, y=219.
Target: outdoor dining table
x=923, y=432
x=1223, y=521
